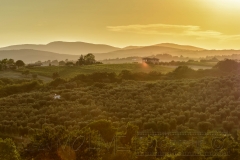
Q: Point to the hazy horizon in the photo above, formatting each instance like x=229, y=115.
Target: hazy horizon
x=121, y=47
x=209, y=24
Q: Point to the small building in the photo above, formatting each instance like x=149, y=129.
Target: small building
x=57, y=96
x=150, y=60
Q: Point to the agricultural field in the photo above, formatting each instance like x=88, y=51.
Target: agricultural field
x=18, y=75
x=71, y=71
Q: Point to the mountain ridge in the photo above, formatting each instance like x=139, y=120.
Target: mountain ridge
x=30, y=55
x=177, y=46
x=34, y=52
x=71, y=48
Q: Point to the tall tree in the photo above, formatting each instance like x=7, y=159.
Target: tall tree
x=20, y=63
x=10, y=62
x=62, y=63
x=4, y=63
x=81, y=60
x=89, y=58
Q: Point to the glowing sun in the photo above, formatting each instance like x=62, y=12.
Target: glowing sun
x=228, y=3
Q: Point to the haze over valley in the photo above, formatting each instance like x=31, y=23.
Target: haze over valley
x=72, y=50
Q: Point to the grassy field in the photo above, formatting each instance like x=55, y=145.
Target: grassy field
x=45, y=73
x=18, y=75
x=71, y=71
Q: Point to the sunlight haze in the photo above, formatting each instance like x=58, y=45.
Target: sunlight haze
x=211, y=24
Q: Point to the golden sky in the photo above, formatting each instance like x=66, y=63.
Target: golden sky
x=213, y=24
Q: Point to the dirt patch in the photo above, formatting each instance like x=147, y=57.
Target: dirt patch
x=18, y=75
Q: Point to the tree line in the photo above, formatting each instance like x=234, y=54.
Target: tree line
x=10, y=64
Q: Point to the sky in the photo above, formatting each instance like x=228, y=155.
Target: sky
x=211, y=24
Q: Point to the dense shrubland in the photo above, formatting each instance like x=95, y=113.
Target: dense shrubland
x=106, y=104
x=199, y=104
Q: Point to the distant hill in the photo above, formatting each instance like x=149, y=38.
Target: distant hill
x=132, y=47
x=155, y=50
x=142, y=52
x=73, y=48
x=78, y=48
x=182, y=47
x=163, y=48
x=29, y=55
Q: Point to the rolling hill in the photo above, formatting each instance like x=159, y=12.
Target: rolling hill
x=29, y=55
x=155, y=50
x=182, y=47
x=72, y=51
x=142, y=52
x=72, y=48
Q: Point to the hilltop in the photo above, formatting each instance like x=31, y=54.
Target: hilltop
x=30, y=55
x=71, y=48
x=183, y=47
x=156, y=50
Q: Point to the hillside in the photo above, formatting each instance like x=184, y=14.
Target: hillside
x=154, y=50
x=29, y=55
x=177, y=46
x=142, y=52
x=132, y=47
x=73, y=48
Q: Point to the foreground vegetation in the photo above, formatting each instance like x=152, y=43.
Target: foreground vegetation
x=98, y=110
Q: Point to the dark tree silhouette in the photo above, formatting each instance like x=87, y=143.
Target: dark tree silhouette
x=19, y=63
